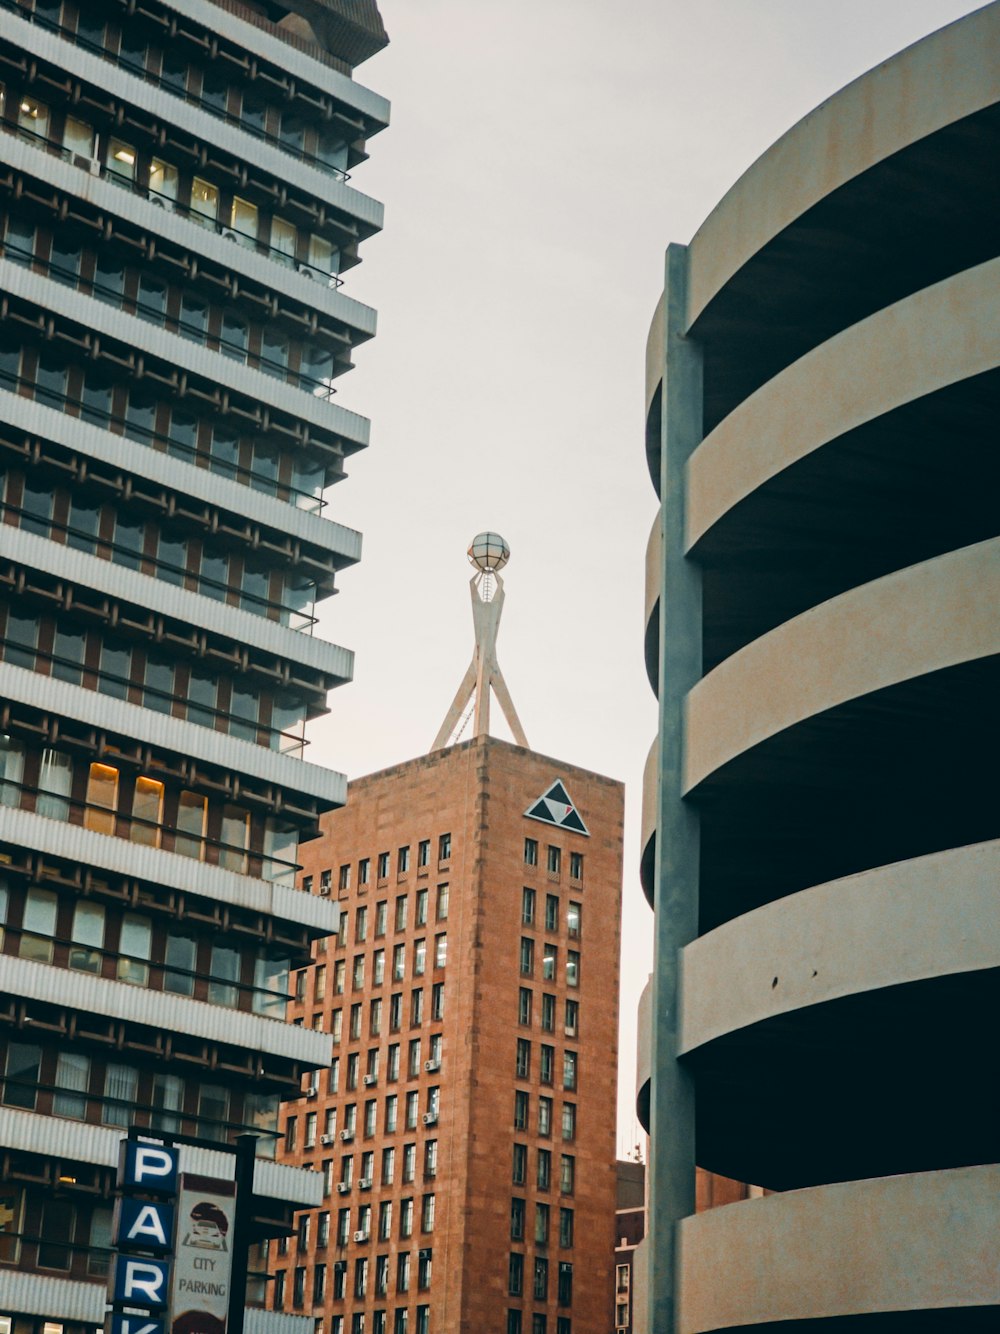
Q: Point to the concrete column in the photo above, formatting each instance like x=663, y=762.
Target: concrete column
x=671, y=1187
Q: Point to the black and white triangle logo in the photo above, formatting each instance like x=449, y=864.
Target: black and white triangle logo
x=555, y=807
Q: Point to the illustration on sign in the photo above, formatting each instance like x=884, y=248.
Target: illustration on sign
x=206, y=1211
x=554, y=807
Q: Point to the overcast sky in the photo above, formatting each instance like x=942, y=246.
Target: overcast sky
x=541, y=155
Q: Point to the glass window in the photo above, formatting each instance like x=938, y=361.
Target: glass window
x=102, y=798
x=519, y=1170
x=21, y=1074
x=569, y=1070
x=33, y=118
x=39, y=925
x=147, y=812
x=84, y=521
x=524, y=1006
x=235, y=838
x=88, y=937
x=65, y=257
x=140, y=415
x=442, y=903
x=192, y=816
x=574, y=916
x=284, y=241
x=549, y=958
x=109, y=287
x=120, y=161
x=233, y=344
x=566, y=1227
x=204, y=201
x=527, y=956
x=151, y=303
x=58, y=1223
x=551, y=912
x=180, y=957
x=527, y=906
x=568, y=1121
x=553, y=860
x=19, y=241
x=572, y=968
x=36, y=501
x=11, y=770
x=567, y=1173
x=323, y=257
x=174, y=75
x=55, y=784
x=163, y=178
x=224, y=452
x=522, y=1064
x=545, y=1117
x=120, y=1084
x=78, y=137
x=72, y=1083
x=531, y=852
x=225, y=966
x=213, y=1111
x=243, y=219
x=576, y=865
x=135, y=947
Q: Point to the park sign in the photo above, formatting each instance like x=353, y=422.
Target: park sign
x=174, y=1238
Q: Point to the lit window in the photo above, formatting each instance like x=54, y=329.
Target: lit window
x=204, y=201
x=574, y=917
x=440, y=950
x=163, y=182
x=120, y=161
x=243, y=219
x=549, y=958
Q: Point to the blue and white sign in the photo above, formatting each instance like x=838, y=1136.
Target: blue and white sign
x=144, y=1225
x=141, y=1282
x=149, y=1168
x=135, y=1324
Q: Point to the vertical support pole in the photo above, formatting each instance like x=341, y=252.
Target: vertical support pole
x=246, y=1157
x=671, y=1184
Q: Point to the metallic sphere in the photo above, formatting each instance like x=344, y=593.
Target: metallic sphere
x=488, y=551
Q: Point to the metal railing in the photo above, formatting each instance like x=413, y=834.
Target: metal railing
x=206, y=105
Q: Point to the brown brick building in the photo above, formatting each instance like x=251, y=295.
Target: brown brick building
x=466, y=1130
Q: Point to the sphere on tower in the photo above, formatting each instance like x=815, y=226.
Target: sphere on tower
x=488, y=551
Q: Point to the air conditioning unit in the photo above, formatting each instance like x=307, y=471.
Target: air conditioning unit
x=328, y=1139
x=94, y=166
x=424, y=1253
x=365, y=1183
x=343, y=1188
x=347, y=1134
x=229, y=234
x=370, y=1080
x=571, y=1030
x=325, y=890
x=306, y=270
x=361, y=1236
x=312, y=1091
x=431, y=1066
x=430, y=1118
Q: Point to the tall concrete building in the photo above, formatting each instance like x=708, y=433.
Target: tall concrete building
x=820, y=824
x=175, y=218
x=466, y=1129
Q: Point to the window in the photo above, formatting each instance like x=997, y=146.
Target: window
x=543, y=1176
x=344, y=878
x=551, y=912
x=391, y=1105
x=403, y=860
x=572, y=1018
x=102, y=799
x=424, y=1263
x=440, y=949
x=72, y=1083
x=540, y=1286
x=392, y=1061
x=361, y=1276
x=385, y=1220
x=569, y=1070
x=355, y=1021
x=519, y=1170
x=528, y=906
x=383, y=871
x=361, y=924
x=567, y=1173
x=553, y=860
x=514, y=1325
x=375, y=1017
x=395, y=1011
x=343, y=1227
x=309, y=1142
x=337, y=1025
x=522, y=1065
x=419, y=957
x=566, y=1227
x=204, y=201
x=371, y=1112
x=413, y=1059
x=423, y=852
x=339, y=973
x=442, y=903
x=541, y=1224
x=437, y=1001
x=416, y=1007
x=527, y=956
x=545, y=1117
x=163, y=178
x=427, y=1213
x=531, y=852
x=88, y=939
x=358, y=973
x=21, y=1075
x=284, y=241
x=420, y=918
x=549, y=961
x=120, y=1084
x=568, y=1121
x=572, y=968
x=406, y=1218
x=430, y=1158
x=39, y=925
x=524, y=1005
x=380, y=917
x=135, y=947
x=244, y=220
x=58, y=1223
x=517, y=1219
x=342, y=923
x=576, y=865
x=388, y=1166
x=520, y=1110
x=378, y=968
x=398, y=963
x=120, y=161
x=400, y=918
x=546, y=1063
x=565, y=1294
x=515, y=1274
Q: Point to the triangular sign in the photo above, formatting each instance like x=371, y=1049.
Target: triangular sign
x=555, y=807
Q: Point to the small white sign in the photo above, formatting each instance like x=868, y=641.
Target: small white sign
x=203, y=1256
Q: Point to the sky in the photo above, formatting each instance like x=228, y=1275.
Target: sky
x=541, y=155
